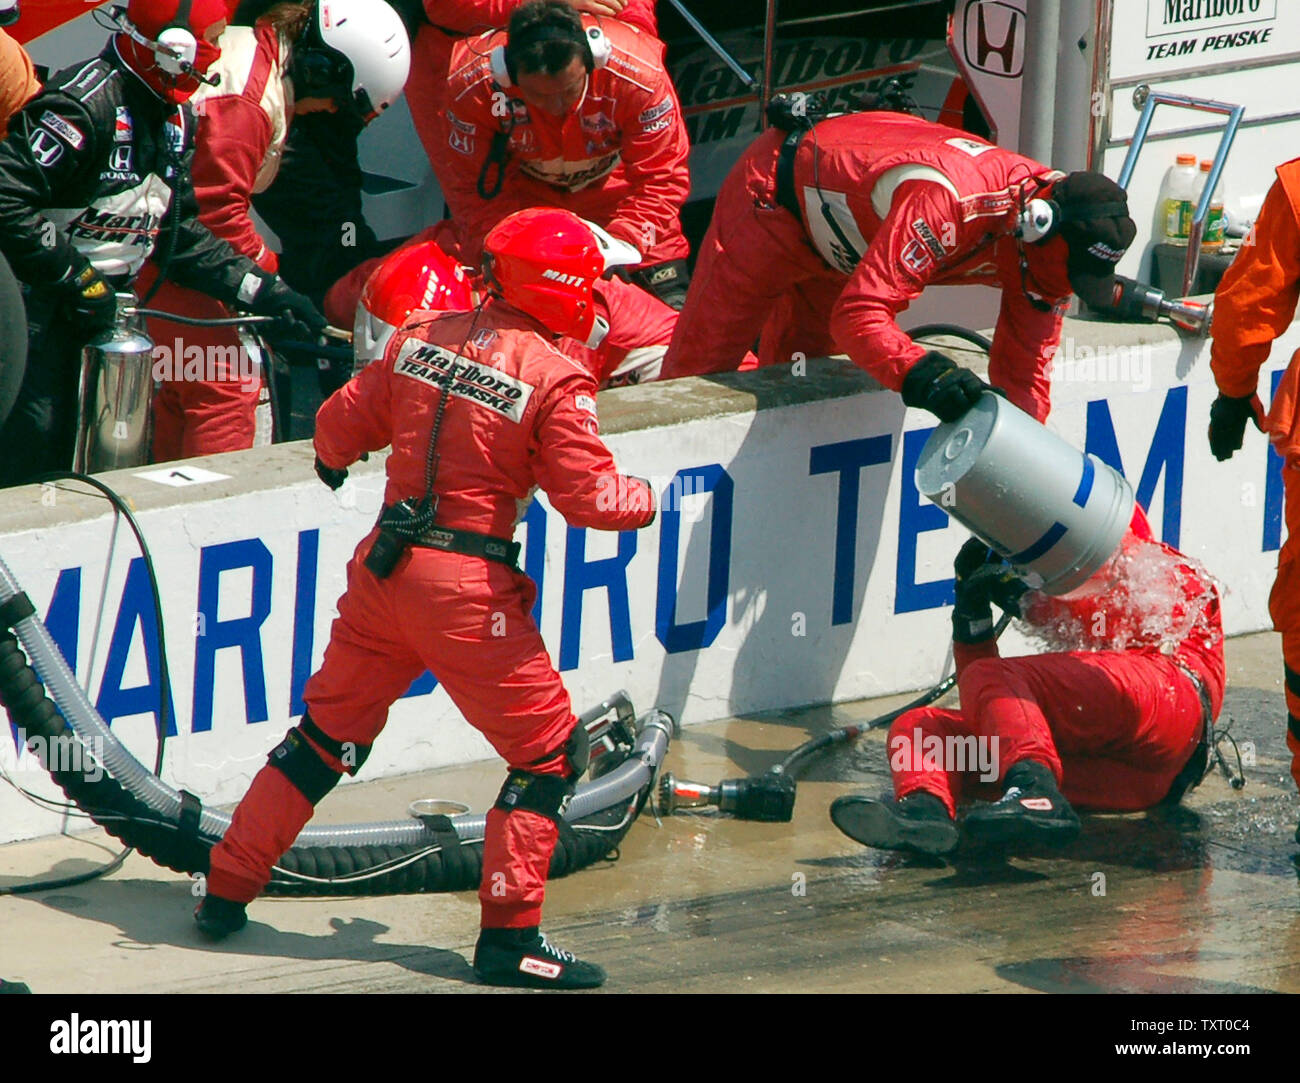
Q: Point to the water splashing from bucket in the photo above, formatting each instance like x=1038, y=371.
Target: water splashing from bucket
x=1146, y=597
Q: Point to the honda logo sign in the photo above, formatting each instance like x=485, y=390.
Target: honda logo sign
x=995, y=39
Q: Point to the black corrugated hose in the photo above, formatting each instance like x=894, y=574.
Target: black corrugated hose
x=324, y=870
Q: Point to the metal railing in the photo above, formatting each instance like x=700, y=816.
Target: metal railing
x=1148, y=99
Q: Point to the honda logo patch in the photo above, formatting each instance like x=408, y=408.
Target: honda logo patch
x=915, y=257
x=460, y=142
x=120, y=159
x=46, y=149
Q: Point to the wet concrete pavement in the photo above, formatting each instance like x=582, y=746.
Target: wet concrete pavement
x=1204, y=899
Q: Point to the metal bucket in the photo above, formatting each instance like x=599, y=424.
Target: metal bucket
x=1056, y=513
x=114, y=417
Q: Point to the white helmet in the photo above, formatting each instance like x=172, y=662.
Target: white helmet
x=354, y=51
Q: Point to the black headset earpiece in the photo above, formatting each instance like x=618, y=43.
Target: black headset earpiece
x=592, y=42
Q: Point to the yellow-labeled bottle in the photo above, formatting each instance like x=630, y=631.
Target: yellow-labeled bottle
x=1215, y=223
x=1177, y=200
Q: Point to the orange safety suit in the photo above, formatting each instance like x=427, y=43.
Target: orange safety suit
x=1255, y=303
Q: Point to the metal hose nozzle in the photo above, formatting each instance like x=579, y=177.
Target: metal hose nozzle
x=769, y=797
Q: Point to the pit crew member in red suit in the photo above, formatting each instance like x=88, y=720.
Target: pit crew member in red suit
x=286, y=66
x=521, y=414
x=821, y=236
x=573, y=112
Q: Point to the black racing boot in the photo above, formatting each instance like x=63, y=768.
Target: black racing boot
x=918, y=824
x=217, y=918
x=525, y=958
x=1031, y=810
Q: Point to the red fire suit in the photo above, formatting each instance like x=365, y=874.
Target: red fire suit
x=522, y=415
x=640, y=325
x=207, y=402
x=618, y=159
x=1115, y=724
x=449, y=22
x=1255, y=303
x=917, y=203
x=640, y=328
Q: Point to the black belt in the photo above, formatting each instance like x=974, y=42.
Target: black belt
x=471, y=544
x=785, y=193
x=1197, y=766
x=788, y=198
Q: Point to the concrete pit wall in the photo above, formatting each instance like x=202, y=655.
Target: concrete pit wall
x=796, y=565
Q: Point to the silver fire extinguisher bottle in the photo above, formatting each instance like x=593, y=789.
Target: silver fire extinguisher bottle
x=115, y=398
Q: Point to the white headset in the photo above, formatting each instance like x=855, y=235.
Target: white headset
x=1038, y=221
x=176, y=48
x=597, y=43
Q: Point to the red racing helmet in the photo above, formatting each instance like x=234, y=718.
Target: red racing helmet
x=418, y=276
x=544, y=261
x=162, y=42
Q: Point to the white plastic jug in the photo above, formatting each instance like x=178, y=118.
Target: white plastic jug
x=1054, y=512
x=1177, y=199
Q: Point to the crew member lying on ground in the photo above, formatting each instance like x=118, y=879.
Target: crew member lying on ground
x=822, y=236
x=633, y=327
x=1116, y=717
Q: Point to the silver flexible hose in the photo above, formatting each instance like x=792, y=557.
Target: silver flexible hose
x=653, y=732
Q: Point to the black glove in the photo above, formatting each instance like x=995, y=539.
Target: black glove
x=331, y=477
x=983, y=579
x=650, y=495
x=938, y=384
x=296, y=316
x=94, y=301
x=1228, y=417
